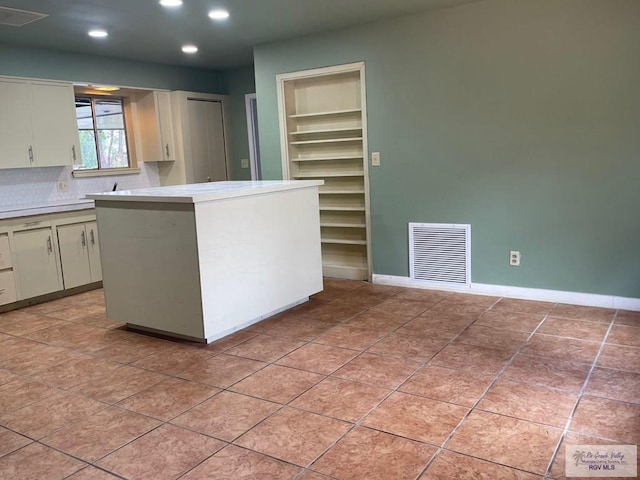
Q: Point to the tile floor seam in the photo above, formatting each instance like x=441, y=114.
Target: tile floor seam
x=580, y=395
x=363, y=417
x=477, y=402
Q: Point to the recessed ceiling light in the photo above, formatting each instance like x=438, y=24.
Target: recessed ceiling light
x=218, y=14
x=171, y=3
x=98, y=33
x=189, y=49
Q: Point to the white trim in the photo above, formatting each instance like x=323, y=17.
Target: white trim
x=105, y=172
x=281, y=79
x=251, y=132
x=559, y=296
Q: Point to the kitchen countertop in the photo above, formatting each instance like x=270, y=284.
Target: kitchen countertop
x=203, y=192
x=25, y=210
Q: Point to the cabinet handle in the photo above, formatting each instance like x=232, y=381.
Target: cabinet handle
x=166, y=147
x=2, y=291
x=73, y=153
x=84, y=240
x=93, y=240
x=30, y=154
x=49, y=245
x=32, y=224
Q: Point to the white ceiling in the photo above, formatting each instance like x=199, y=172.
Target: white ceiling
x=143, y=30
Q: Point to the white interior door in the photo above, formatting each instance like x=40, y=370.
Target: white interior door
x=207, y=140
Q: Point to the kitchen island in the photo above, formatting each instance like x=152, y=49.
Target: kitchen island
x=202, y=261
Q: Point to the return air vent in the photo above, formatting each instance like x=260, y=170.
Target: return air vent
x=440, y=253
x=17, y=18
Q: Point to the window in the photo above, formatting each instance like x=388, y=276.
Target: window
x=103, y=139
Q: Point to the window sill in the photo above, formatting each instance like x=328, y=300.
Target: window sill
x=105, y=173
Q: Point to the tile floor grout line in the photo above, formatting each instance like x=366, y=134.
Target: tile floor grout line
x=477, y=402
x=579, y=398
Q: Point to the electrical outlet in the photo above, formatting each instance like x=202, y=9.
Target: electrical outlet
x=375, y=159
x=63, y=187
x=244, y=163
x=514, y=258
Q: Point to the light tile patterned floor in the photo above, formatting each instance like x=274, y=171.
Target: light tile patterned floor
x=362, y=382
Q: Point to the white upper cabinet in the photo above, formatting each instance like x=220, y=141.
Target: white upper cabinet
x=55, y=132
x=37, y=124
x=156, y=126
x=15, y=124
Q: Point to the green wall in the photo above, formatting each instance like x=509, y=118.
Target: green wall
x=237, y=83
x=519, y=117
x=55, y=65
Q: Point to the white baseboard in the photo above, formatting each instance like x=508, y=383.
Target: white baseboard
x=573, y=298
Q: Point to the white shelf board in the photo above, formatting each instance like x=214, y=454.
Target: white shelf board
x=342, y=192
x=326, y=130
x=322, y=114
x=328, y=175
x=333, y=157
x=342, y=225
x=343, y=241
x=341, y=209
x=327, y=140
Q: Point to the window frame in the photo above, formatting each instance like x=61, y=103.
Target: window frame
x=128, y=132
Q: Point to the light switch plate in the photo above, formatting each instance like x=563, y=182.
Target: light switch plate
x=375, y=159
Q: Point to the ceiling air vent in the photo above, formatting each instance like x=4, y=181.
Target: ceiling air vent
x=18, y=18
x=440, y=253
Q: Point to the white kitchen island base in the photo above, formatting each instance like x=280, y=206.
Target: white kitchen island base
x=202, y=261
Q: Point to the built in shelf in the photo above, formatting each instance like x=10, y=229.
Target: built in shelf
x=327, y=140
x=326, y=130
x=322, y=114
x=332, y=157
x=342, y=241
x=327, y=175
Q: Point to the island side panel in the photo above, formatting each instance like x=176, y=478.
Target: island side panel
x=150, y=265
x=258, y=254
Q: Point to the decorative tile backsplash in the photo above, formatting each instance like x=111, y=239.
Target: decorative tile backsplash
x=28, y=186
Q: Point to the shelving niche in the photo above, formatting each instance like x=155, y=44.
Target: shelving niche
x=323, y=130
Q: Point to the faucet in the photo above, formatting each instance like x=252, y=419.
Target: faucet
x=115, y=186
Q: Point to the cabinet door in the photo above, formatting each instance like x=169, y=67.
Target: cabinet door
x=74, y=255
x=163, y=105
x=55, y=133
x=15, y=124
x=93, y=242
x=35, y=262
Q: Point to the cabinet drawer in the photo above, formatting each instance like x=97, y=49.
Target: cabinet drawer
x=5, y=253
x=29, y=223
x=7, y=287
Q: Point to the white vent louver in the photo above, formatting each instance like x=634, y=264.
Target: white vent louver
x=440, y=253
x=17, y=18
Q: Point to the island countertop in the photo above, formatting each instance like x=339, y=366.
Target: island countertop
x=204, y=192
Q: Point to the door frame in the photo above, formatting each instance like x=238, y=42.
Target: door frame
x=252, y=133
x=182, y=171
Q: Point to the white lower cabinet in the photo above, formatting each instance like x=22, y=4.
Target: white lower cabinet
x=36, y=263
x=79, y=254
x=7, y=284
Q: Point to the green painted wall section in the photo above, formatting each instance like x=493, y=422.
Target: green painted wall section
x=517, y=117
x=55, y=65
x=237, y=83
